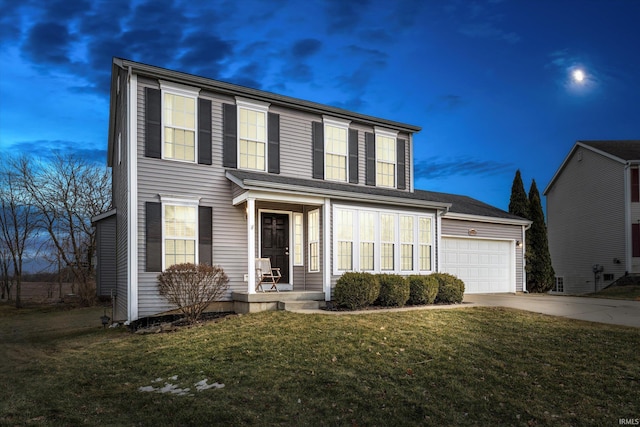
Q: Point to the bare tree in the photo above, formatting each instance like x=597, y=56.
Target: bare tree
x=67, y=191
x=18, y=219
x=5, y=266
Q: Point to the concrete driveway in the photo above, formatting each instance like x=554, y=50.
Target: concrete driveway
x=617, y=312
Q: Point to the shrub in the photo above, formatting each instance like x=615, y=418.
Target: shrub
x=356, y=290
x=394, y=290
x=422, y=289
x=450, y=288
x=192, y=287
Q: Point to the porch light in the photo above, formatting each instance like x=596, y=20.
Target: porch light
x=518, y=244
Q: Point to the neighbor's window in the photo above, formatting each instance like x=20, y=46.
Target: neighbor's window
x=253, y=138
x=424, y=243
x=298, y=238
x=367, y=240
x=335, y=143
x=559, y=285
x=314, y=240
x=179, y=126
x=344, y=224
x=180, y=233
x=385, y=160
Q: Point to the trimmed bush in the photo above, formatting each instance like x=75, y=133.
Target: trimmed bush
x=394, y=290
x=422, y=289
x=356, y=290
x=450, y=288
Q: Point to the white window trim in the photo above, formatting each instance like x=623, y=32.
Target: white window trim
x=261, y=107
x=389, y=134
x=310, y=241
x=342, y=124
x=298, y=240
x=187, y=92
x=170, y=200
x=377, y=242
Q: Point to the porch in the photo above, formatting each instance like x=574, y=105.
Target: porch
x=249, y=302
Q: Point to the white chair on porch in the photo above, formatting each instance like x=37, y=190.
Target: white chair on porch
x=267, y=275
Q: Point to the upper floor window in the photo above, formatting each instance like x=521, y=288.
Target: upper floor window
x=252, y=134
x=336, y=150
x=385, y=159
x=179, y=122
x=635, y=185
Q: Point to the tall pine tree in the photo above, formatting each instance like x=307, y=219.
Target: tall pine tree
x=540, y=274
x=519, y=203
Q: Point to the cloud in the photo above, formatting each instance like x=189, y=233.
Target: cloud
x=445, y=103
x=306, y=47
x=344, y=16
x=438, y=167
x=479, y=20
x=48, y=149
x=488, y=30
x=49, y=43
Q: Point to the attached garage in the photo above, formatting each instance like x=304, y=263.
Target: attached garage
x=484, y=265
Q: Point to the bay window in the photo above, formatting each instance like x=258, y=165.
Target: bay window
x=367, y=241
x=345, y=239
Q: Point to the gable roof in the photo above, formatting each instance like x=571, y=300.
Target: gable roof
x=454, y=206
x=621, y=151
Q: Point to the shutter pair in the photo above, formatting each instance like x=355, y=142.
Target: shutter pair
x=153, y=127
x=317, y=136
x=154, y=235
x=230, y=139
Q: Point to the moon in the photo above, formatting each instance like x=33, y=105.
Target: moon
x=578, y=75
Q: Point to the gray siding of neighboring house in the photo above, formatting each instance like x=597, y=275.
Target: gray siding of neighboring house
x=120, y=164
x=585, y=211
x=635, y=217
x=485, y=230
x=106, y=252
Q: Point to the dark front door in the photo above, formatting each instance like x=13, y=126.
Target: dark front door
x=275, y=242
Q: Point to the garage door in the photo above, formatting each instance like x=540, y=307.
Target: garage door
x=485, y=266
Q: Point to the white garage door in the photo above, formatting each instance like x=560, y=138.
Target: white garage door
x=485, y=266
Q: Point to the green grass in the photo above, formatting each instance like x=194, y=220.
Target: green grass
x=627, y=292
x=475, y=366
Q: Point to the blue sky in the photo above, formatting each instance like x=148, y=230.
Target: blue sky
x=489, y=81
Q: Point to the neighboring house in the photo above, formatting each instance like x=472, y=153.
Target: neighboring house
x=593, y=215
x=210, y=172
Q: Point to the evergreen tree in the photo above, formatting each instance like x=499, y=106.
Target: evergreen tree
x=540, y=274
x=519, y=203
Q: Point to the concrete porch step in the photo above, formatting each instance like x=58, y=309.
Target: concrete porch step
x=300, y=305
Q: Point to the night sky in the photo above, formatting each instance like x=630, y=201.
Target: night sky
x=491, y=82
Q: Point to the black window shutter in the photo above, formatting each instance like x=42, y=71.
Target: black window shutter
x=204, y=235
x=230, y=136
x=353, y=156
x=370, y=156
x=153, y=113
x=317, y=132
x=274, y=143
x=204, y=131
x=401, y=168
x=154, y=236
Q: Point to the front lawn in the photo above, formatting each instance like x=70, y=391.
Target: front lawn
x=475, y=366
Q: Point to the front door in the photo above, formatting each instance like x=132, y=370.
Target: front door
x=275, y=242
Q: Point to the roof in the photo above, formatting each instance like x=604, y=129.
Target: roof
x=455, y=206
x=621, y=151
x=628, y=150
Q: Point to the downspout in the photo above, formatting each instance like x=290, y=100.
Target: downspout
x=627, y=218
x=439, y=216
x=524, y=258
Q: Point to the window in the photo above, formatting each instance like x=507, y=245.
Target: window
x=635, y=185
x=180, y=234
x=367, y=241
x=385, y=160
x=635, y=240
x=424, y=243
x=297, y=238
x=406, y=242
x=179, y=125
x=387, y=239
x=336, y=149
x=314, y=240
x=559, y=285
x=345, y=239
x=252, y=135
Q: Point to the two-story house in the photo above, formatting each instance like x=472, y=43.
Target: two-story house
x=210, y=172
x=593, y=215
